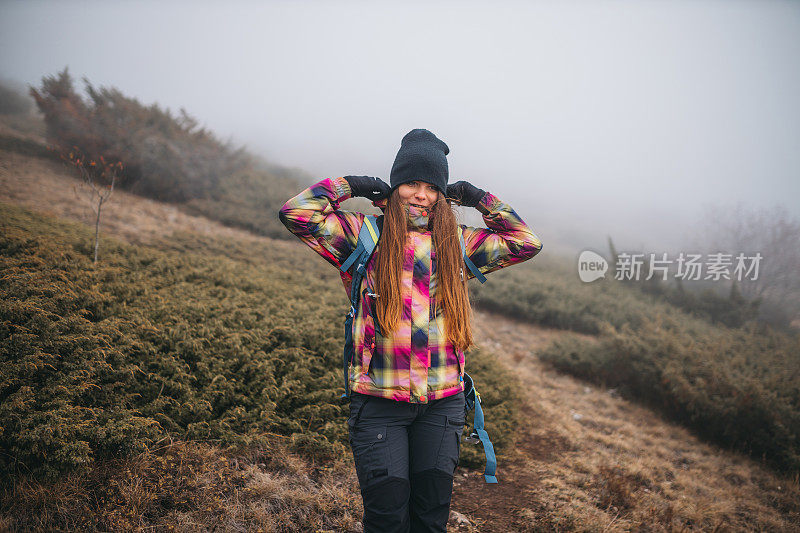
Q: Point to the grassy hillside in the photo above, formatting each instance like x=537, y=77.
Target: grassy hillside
x=544, y=292
x=207, y=339
x=582, y=460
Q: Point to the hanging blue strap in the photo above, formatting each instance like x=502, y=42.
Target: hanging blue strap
x=473, y=400
x=467, y=261
x=488, y=449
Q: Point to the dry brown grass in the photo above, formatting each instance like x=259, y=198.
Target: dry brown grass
x=192, y=487
x=586, y=460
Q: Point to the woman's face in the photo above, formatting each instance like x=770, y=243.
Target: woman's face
x=419, y=193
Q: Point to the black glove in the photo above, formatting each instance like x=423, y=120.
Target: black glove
x=372, y=188
x=464, y=193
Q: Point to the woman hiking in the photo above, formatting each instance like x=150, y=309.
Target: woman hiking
x=412, y=325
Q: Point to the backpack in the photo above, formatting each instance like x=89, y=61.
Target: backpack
x=368, y=237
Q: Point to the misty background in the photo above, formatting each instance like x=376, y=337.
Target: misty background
x=592, y=119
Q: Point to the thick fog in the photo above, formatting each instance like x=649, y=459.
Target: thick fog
x=589, y=118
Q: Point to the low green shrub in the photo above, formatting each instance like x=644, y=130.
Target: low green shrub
x=736, y=387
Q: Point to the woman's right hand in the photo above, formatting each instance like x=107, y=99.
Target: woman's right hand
x=372, y=188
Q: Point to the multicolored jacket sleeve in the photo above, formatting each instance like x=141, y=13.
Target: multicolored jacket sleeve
x=314, y=216
x=505, y=241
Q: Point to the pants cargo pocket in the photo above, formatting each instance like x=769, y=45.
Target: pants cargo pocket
x=450, y=448
x=370, y=453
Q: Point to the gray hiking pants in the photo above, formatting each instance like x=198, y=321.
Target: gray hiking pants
x=405, y=456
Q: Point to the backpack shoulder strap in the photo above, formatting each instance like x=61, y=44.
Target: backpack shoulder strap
x=368, y=237
x=467, y=261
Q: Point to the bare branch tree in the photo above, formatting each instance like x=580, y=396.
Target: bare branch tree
x=101, y=177
x=774, y=233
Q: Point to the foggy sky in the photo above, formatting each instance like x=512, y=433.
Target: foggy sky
x=589, y=118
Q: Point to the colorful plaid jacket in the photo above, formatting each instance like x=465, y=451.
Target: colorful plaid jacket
x=415, y=363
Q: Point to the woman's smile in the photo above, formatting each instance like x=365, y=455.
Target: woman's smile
x=419, y=193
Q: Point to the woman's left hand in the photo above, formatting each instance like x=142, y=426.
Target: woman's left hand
x=464, y=193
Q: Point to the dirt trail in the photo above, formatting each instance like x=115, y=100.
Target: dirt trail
x=587, y=459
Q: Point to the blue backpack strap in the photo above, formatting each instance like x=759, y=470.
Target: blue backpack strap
x=467, y=261
x=368, y=237
x=473, y=400
x=488, y=449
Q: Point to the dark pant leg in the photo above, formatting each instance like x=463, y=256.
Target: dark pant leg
x=379, y=440
x=435, y=442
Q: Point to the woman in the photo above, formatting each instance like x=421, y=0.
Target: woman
x=411, y=329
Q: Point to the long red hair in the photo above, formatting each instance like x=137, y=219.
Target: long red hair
x=451, y=295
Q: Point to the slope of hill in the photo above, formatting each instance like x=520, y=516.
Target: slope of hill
x=584, y=459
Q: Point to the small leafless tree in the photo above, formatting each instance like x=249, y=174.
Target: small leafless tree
x=101, y=177
x=775, y=234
